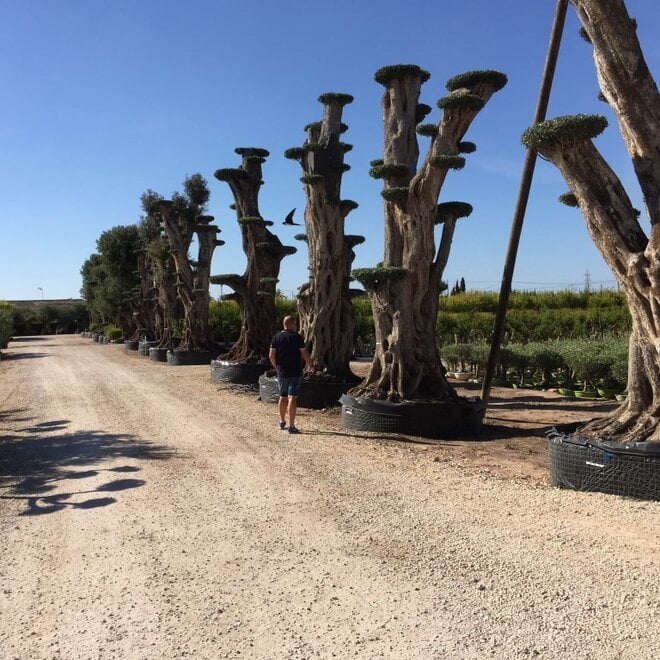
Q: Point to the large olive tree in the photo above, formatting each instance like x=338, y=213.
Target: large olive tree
x=612, y=221
x=324, y=301
x=254, y=291
x=404, y=291
x=183, y=217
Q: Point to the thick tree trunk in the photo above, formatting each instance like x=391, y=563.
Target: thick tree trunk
x=610, y=217
x=255, y=290
x=404, y=293
x=326, y=313
x=635, y=261
x=192, y=283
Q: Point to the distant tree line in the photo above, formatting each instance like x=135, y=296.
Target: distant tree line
x=41, y=319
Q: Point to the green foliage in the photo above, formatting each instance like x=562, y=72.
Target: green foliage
x=466, y=147
x=364, y=333
x=251, y=220
x=564, y=129
x=335, y=97
x=354, y=239
x=421, y=111
x=448, y=210
x=345, y=147
x=312, y=146
x=386, y=170
x=398, y=195
x=461, y=101
x=112, y=332
x=314, y=125
x=371, y=277
x=252, y=152
x=348, y=205
x=109, y=277
x=301, y=237
x=48, y=318
x=569, y=199
x=294, y=153
x=447, y=161
x=471, y=78
x=428, y=130
x=534, y=316
x=309, y=179
x=387, y=74
x=224, y=320
x=229, y=173
x=6, y=322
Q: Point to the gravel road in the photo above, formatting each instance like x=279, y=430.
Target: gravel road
x=147, y=512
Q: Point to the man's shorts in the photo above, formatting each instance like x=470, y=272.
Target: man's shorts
x=289, y=386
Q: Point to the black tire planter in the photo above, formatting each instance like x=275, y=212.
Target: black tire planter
x=458, y=418
x=587, y=464
x=316, y=394
x=144, y=346
x=238, y=373
x=177, y=358
x=131, y=344
x=158, y=354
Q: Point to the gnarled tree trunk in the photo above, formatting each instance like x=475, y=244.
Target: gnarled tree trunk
x=610, y=217
x=255, y=290
x=404, y=291
x=326, y=313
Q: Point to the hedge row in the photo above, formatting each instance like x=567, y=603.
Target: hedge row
x=566, y=363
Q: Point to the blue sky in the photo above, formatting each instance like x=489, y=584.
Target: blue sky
x=103, y=100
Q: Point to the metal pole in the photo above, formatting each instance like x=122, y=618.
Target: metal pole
x=523, y=196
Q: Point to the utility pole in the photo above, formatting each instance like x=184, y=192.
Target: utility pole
x=587, y=282
x=523, y=196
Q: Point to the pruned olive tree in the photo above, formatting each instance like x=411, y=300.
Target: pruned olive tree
x=612, y=221
x=324, y=302
x=161, y=309
x=183, y=217
x=254, y=291
x=404, y=291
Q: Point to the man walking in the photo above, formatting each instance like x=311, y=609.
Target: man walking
x=287, y=354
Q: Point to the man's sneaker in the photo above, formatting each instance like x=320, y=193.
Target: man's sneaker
x=293, y=429
x=282, y=425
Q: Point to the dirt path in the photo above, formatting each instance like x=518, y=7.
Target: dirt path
x=146, y=512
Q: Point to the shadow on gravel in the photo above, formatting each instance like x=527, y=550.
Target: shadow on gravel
x=43, y=458
x=9, y=357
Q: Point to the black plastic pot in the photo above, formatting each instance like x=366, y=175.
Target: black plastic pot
x=131, y=344
x=456, y=418
x=178, y=358
x=238, y=373
x=158, y=354
x=315, y=393
x=587, y=464
x=144, y=346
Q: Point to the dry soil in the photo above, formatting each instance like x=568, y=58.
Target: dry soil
x=148, y=512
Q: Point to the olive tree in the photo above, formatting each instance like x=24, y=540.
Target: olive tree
x=324, y=301
x=612, y=221
x=183, y=217
x=255, y=290
x=404, y=290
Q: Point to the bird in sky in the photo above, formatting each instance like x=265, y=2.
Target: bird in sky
x=289, y=219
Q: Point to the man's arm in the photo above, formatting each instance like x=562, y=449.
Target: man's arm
x=272, y=356
x=308, y=359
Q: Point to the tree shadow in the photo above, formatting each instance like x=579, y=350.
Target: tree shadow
x=9, y=357
x=44, y=458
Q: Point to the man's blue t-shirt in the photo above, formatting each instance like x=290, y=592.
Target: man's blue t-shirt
x=287, y=345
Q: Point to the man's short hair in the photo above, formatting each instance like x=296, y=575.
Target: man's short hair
x=289, y=322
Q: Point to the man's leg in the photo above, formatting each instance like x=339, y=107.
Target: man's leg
x=291, y=409
x=282, y=405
